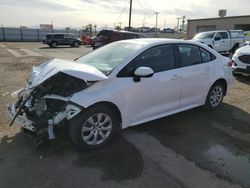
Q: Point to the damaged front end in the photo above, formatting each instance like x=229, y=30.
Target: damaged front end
x=45, y=106
x=45, y=102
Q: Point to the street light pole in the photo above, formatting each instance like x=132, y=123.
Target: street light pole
x=130, y=12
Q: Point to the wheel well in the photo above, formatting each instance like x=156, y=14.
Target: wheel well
x=224, y=83
x=113, y=107
x=236, y=45
x=53, y=41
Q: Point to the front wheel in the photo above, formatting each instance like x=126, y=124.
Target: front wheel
x=215, y=96
x=53, y=44
x=93, y=128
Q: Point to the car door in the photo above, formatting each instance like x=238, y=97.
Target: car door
x=222, y=42
x=197, y=66
x=68, y=39
x=60, y=39
x=157, y=95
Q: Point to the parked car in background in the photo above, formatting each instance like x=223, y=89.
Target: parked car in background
x=55, y=39
x=107, y=36
x=222, y=41
x=86, y=40
x=247, y=43
x=168, y=30
x=144, y=29
x=122, y=84
x=241, y=61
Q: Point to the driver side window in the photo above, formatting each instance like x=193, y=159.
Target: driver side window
x=218, y=36
x=160, y=58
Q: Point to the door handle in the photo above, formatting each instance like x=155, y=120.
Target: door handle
x=175, y=77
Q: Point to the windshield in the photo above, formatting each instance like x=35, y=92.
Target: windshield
x=206, y=35
x=107, y=58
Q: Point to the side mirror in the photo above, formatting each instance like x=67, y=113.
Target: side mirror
x=143, y=72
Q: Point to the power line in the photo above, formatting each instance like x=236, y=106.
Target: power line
x=125, y=5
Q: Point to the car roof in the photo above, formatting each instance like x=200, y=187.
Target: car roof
x=129, y=32
x=157, y=41
x=60, y=34
x=116, y=31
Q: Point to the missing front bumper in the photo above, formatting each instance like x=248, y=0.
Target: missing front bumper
x=20, y=120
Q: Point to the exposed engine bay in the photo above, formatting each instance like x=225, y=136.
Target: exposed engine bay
x=47, y=104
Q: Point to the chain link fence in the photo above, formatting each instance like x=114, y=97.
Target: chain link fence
x=23, y=34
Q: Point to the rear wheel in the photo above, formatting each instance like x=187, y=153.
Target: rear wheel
x=215, y=96
x=93, y=128
x=75, y=44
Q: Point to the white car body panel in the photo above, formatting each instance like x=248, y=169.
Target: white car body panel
x=195, y=81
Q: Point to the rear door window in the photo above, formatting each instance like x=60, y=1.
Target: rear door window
x=189, y=55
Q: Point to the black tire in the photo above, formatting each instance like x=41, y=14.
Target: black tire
x=75, y=44
x=233, y=50
x=77, y=124
x=53, y=44
x=213, y=102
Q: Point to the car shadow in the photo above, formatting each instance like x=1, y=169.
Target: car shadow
x=195, y=135
x=58, y=47
x=19, y=158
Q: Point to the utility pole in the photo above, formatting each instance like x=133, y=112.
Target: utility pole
x=143, y=23
x=120, y=25
x=130, y=12
x=156, y=22
x=178, y=23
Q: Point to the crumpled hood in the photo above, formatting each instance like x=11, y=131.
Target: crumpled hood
x=46, y=70
x=244, y=50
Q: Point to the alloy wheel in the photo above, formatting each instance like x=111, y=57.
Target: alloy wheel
x=96, y=129
x=216, y=96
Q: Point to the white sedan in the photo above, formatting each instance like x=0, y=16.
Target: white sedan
x=122, y=84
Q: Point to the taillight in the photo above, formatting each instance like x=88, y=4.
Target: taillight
x=230, y=63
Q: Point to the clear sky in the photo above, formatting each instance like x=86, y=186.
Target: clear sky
x=77, y=13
